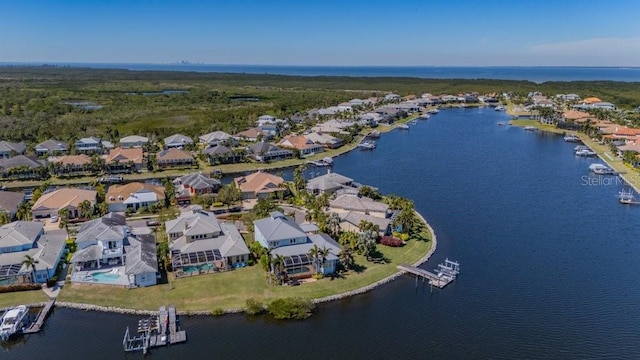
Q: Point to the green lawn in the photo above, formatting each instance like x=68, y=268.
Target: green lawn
x=231, y=289
x=22, y=297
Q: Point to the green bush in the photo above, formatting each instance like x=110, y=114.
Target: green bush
x=217, y=312
x=20, y=287
x=291, y=308
x=254, y=307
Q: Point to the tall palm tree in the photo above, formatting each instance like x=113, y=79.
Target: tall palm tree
x=85, y=209
x=314, y=254
x=30, y=262
x=277, y=263
x=322, y=256
x=24, y=211
x=334, y=225
x=346, y=258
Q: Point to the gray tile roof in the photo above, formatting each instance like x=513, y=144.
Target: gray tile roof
x=10, y=200
x=216, y=136
x=19, y=161
x=358, y=203
x=52, y=145
x=19, y=233
x=278, y=227
x=141, y=255
x=234, y=244
x=328, y=182
x=50, y=247
x=197, y=181
x=90, y=253
x=195, y=223
x=110, y=226
x=178, y=139
x=354, y=218
x=217, y=150
x=321, y=240
x=6, y=146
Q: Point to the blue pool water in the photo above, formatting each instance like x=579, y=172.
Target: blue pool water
x=104, y=276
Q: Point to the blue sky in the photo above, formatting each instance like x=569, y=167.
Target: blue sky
x=325, y=32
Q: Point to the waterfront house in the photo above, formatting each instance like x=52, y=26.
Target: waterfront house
x=351, y=220
x=267, y=120
x=177, y=141
x=284, y=237
x=259, y=185
x=71, y=164
x=216, y=138
x=194, y=184
x=51, y=147
x=392, y=97
x=265, y=152
x=325, y=140
x=9, y=201
x=328, y=183
x=22, y=167
x=92, y=145
x=253, y=134
x=133, y=196
x=576, y=116
x=133, y=141
x=49, y=204
x=305, y=146
x=174, y=158
x=21, y=238
x=199, y=243
x=221, y=154
x=108, y=242
x=10, y=149
x=124, y=160
x=351, y=202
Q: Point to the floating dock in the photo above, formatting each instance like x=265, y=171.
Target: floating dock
x=444, y=275
x=36, y=326
x=160, y=330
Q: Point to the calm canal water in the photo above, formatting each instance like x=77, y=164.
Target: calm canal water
x=549, y=264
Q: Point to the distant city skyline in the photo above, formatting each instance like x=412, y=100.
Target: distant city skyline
x=323, y=33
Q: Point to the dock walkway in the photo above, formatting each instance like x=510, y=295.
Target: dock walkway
x=445, y=275
x=161, y=330
x=36, y=326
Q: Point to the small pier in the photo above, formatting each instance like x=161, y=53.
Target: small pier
x=160, y=330
x=443, y=276
x=36, y=326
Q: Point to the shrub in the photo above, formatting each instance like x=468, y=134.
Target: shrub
x=391, y=241
x=250, y=262
x=254, y=307
x=291, y=308
x=52, y=282
x=19, y=287
x=217, y=312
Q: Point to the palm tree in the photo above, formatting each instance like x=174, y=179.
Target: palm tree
x=277, y=263
x=334, y=225
x=322, y=255
x=314, y=254
x=346, y=258
x=4, y=218
x=24, y=211
x=85, y=209
x=30, y=262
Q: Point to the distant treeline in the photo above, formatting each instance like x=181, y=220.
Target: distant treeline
x=32, y=99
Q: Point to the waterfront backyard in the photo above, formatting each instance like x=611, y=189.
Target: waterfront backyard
x=230, y=290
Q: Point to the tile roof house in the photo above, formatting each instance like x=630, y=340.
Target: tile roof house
x=266, y=152
x=9, y=149
x=9, y=201
x=51, y=147
x=22, y=167
x=174, y=157
x=200, y=244
x=325, y=140
x=66, y=198
x=259, y=185
x=194, y=184
x=177, y=140
x=575, y=115
x=215, y=138
x=70, y=164
x=304, y=145
x=221, y=154
x=350, y=221
x=351, y=202
x=328, y=183
x=252, y=134
x=133, y=196
x=124, y=160
x=133, y=141
x=107, y=242
x=283, y=236
x=21, y=238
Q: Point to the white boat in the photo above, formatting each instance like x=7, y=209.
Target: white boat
x=367, y=145
x=328, y=160
x=374, y=134
x=580, y=147
x=571, y=138
x=403, y=127
x=500, y=108
x=501, y=123
x=594, y=167
x=433, y=111
x=424, y=117
x=414, y=122
x=13, y=321
x=530, y=128
x=585, y=152
x=626, y=197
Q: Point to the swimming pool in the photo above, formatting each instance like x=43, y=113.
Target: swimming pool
x=304, y=269
x=197, y=268
x=104, y=276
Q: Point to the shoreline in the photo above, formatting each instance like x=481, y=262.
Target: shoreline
x=343, y=295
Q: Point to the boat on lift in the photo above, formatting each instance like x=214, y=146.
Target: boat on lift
x=12, y=321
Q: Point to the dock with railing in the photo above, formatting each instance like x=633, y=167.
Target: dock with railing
x=38, y=323
x=444, y=275
x=160, y=330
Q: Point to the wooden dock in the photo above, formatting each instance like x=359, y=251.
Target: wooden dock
x=37, y=325
x=160, y=330
x=445, y=274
